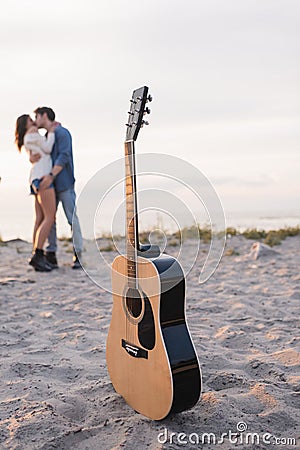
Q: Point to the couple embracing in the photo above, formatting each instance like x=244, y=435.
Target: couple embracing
x=51, y=181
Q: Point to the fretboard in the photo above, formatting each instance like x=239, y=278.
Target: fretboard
x=131, y=214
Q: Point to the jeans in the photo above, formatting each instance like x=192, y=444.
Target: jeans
x=35, y=185
x=68, y=200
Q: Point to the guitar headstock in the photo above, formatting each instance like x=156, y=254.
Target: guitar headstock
x=137, y=111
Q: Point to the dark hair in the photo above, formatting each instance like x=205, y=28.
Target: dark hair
x=21, y=128
x=44, y=109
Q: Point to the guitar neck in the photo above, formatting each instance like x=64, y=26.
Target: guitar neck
x=132, y=241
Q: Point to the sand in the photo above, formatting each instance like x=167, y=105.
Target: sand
x=55, y=389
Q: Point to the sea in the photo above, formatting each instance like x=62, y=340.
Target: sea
x=18, y=222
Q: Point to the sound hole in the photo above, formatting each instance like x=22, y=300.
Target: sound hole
x=134, y=302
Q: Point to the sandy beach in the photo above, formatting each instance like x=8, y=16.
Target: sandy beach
x=55, y=388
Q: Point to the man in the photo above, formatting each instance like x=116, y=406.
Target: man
x=62, y=175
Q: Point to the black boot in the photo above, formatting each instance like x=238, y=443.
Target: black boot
x=76, y=262
x=51, y=259
x=39, y=262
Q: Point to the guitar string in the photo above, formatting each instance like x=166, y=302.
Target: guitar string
x=132, y=234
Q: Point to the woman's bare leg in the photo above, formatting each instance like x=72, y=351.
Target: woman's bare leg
x=39, y=216
x=47, y=202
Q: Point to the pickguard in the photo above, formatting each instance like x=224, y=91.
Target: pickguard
x=146, y=326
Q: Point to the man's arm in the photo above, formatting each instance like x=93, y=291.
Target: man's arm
x=64, y=140
x=49, y=178
x=65, y=146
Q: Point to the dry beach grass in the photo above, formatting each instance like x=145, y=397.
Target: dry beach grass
x=55, y=390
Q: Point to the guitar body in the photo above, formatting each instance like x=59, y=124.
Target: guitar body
x=150, y=356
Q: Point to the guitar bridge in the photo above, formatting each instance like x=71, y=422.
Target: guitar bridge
x=133, y=350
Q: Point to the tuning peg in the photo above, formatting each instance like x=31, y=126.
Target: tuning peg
x=133, y=101
x=144, y=122
x=128, y=125
x=130, y=113
x=149, y=98
x=147, y=110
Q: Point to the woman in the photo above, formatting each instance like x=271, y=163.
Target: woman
x=27, y=135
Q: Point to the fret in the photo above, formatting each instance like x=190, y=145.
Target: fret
x=131, y=274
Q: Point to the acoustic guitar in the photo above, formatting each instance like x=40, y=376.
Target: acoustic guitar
x=150, y=355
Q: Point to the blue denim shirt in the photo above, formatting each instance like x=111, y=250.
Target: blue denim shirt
x=62, y=155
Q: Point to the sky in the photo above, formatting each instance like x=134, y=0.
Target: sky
x=224, y=76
